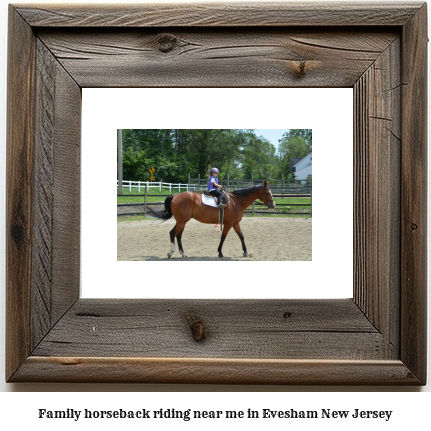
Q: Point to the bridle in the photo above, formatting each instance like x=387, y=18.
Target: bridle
x=267, y=203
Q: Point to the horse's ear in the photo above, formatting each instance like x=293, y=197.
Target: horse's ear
x=266, y=184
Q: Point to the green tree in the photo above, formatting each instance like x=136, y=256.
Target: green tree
x=259, y=157
x=176, y=152
x=305, y=134
x=208, y=148
x=136, y=164
x=296, y=143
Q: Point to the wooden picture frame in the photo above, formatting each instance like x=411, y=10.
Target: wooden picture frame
x=378, y=337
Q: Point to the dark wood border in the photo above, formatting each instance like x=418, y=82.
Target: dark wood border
x=378, y=337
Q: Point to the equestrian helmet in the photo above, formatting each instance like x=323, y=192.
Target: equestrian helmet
x=214, y=171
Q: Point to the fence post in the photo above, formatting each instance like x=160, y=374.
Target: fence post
x=145, y=201
x=160, y=185
x=199, y=180
x=130, y=186
x=228, y=180
x=252, y=212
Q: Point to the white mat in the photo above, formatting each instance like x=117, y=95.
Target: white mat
x=210, y=201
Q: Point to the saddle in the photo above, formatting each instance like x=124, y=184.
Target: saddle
x=224, y=200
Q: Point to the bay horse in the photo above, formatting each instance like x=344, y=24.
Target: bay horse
x=188, y=205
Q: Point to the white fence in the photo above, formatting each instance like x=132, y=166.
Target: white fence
x=140, y=185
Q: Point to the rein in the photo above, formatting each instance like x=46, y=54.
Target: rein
x=267, y=203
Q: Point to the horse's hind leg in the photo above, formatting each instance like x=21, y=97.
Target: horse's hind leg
x=182, y=214
x=177, y=231
x=180, y=245
x=172, y=236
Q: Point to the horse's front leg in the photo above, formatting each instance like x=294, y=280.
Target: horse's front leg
x=241, y=237
x=226, y=229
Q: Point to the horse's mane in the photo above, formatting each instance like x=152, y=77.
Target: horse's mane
x=247, y=192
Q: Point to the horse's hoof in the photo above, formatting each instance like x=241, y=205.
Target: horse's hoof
x=185, y=256
x=220, y=255
x=169, y=255
x=245, y=255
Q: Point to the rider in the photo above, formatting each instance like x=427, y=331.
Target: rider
x=213, y=186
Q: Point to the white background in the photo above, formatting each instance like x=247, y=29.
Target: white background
x=329, y=112
x=412, y=409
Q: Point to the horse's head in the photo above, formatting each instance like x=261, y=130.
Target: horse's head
x=267, y=198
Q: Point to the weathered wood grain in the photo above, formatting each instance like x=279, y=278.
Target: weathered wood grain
x=387, y=123
x=377, y=97
x=55, y=278
x=67, y=194
x=414, y=195
x=44, y=195
x=20, y=197
x=268, y=329
x=229, y=58
x=216, y=371
x=220, y=15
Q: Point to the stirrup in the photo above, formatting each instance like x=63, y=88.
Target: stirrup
x=220, y=203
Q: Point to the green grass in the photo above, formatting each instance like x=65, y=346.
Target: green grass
x=286, y=211
x=132, y=218
x=280, y=215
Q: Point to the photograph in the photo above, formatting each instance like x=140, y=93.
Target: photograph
x=207, y=183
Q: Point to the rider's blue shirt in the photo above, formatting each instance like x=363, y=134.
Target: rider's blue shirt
x=211, y=182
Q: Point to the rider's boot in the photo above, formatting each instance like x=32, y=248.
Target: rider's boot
x=220, y=200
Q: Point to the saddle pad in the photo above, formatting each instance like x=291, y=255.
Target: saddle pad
x=209, y=200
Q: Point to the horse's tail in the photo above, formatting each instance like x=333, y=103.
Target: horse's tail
x=166, y=214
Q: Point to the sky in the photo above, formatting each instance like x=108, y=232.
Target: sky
x=273, y=135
